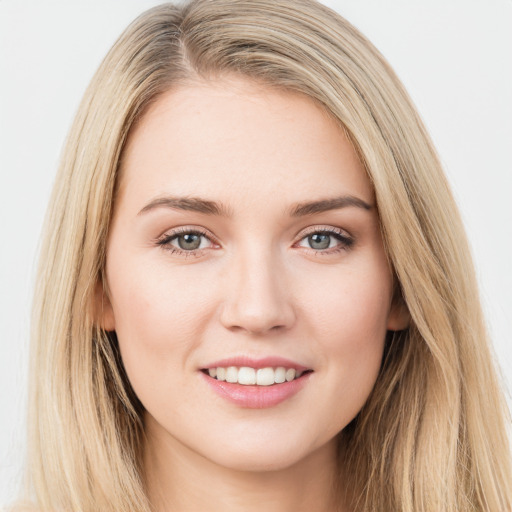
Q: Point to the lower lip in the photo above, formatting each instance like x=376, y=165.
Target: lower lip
x=256, y=397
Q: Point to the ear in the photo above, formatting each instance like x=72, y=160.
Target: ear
x=103, y=311
x=399, y=317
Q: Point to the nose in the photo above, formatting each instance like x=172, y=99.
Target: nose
x=258, y=299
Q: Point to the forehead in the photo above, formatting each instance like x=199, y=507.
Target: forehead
x=236, y=139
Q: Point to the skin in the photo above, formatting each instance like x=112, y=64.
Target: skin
x=255, y=287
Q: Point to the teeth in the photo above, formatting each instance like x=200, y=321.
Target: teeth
x=247, y=376
x=221, y=373
x=232, y=374
x=280, y=375
x=290, y=374
x=250, y=376
x=265, y=377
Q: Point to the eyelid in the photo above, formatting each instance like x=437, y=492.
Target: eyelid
x=323, y=228
x=164, y=239
x=346, y=239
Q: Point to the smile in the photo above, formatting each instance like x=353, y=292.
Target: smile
x=256, y=383
x=248, y=376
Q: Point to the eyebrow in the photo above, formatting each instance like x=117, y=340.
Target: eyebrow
x=196, y=204
x=324, y=205
x=193, y=204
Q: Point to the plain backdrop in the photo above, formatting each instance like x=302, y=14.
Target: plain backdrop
x=454, y=56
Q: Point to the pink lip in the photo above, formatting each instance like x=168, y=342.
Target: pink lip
x=256, y=397
x=265, y=362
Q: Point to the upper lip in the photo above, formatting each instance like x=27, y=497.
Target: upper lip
x=264, y=362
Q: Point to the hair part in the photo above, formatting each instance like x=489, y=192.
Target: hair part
x=432, y=435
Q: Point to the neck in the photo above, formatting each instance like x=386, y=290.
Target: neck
x=178, y=478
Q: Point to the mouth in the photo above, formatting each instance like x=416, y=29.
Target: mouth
x=248, y=376
x=256, y=383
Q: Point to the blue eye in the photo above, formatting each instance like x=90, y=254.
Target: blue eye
x=189, y=241
x=185, y=241
x=320, y=241
x=324, y=240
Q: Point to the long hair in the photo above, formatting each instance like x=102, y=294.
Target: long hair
x=432, y=434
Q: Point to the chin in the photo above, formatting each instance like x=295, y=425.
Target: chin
x=262, y=457
x=258, y=463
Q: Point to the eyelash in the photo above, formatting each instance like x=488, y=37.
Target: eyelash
x=165, y=241
x=346, y=241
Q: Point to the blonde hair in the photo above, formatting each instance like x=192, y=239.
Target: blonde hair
x=432, y=435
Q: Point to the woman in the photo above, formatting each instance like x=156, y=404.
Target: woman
x=255, y=283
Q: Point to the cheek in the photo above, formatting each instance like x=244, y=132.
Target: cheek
x=159, y=316
x=354, y=326
x=350, y=307
x=349, y=323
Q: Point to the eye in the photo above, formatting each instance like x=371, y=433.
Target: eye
x=189, y=241
x=185, y=241
x=326, y=240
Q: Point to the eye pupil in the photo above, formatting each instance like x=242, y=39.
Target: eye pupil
x=189, y=241
x=319, y=241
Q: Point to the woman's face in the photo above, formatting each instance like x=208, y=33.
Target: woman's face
x=245, y=235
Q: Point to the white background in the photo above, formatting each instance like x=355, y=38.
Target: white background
x=454, y=57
